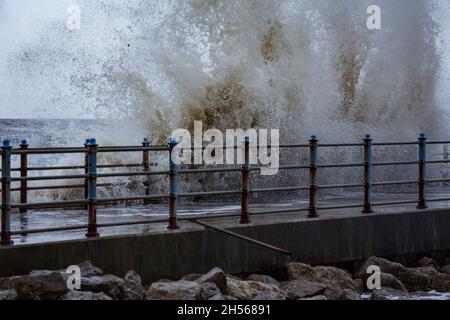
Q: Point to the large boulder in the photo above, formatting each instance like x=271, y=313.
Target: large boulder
x=299, y=289
x=8, y=294
x=216, y=276
x=348, y=294
x=39, y=284
x=412, y=279
x=439, y=281
x=131, y=288
x=446, y=269
x=175, y=290
x=84, y=295
x=390, y=281
x=89, y=270
x=264, y=279
x=333, y=279
x=427, y=262
x=109, y=284
x=247, y=290
x=191, y=277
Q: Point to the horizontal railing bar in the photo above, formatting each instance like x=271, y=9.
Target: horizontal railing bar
x=130, y=174
x=211, y=170
x=393, y=183
x=134, y=198
x=438, y=199
x=381, y=144
x=333, y=145
x=131, y=149
x=345, y=165
x=394, y=163
x=438, y=142
x=69, y=186
x=290, y=167
x=48, y=151
x=437, y=180
x=279, y=189
x=348, y=206
x=379, y=204
x=59, y=177
x=336, y=186
x=46, y=230
x=256, y=213
x=56, y=204
x=100, y=166
x=437, y=161
x=208, y=193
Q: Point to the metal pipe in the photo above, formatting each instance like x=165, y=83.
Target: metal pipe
x=367, y=174
x=394, y=183
x=300, y=188
x=23, y=173
x=313, y=158
x=48, y=151
x=6, y=195
x=92, y=188
x=173, y=198
x=58, y=177
x=137, y=198
x=344, y=165
x=241, y=237
x=245, y=180
x=208, y=193
x=379, y=164
x=382, y=144
x=130, y=149
x=209, y=170
x=49, y=205
x=338, y=186
x=131, y=174
x=422, y=171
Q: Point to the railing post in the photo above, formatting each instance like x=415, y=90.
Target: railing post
x=6, y=195
x=23, y=174
x=422, y=171
x=173, y=171
x=86, y=168
x=92, y=188
x=146, y=167
x=245, y=215
x=313, y=142
x=367, y=174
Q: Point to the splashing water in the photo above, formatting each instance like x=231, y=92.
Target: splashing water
x=298, y=65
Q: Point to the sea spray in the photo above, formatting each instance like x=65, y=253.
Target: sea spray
x=298, y=66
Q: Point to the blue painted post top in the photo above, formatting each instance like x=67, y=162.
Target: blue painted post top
x=6, y=144
x=173, y=141
x=246, y=138
x=24, y=142
x=146, y=141
x=313, y=137
x=368, y=137
x=87, y=141
x=422, y=137
x=92, y=141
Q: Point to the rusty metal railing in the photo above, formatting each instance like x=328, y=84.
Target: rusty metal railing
x=91, y=174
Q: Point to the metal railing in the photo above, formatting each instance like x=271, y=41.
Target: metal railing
x=91, y=174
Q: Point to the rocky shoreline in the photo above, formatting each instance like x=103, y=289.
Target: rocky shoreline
x=304, y=282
